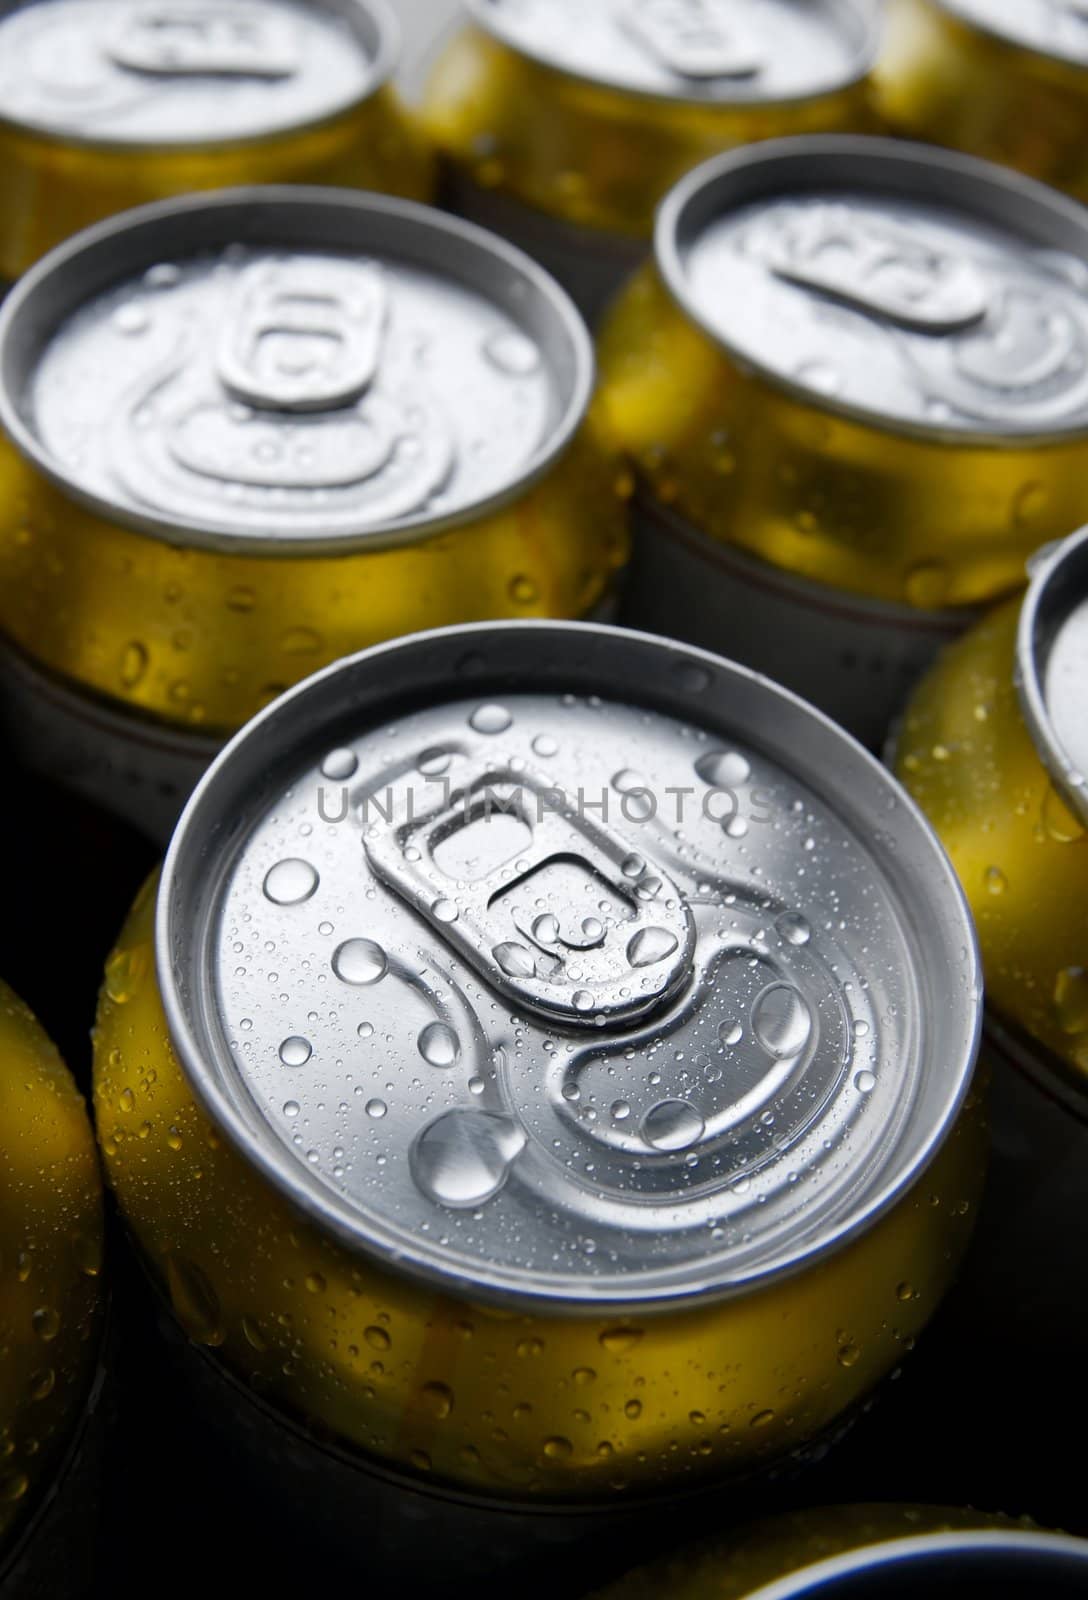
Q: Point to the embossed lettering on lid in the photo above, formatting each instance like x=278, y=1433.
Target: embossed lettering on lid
x=847, y=279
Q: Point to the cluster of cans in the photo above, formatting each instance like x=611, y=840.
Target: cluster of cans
x=539, y=1088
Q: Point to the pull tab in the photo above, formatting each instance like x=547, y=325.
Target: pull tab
x=201, y=41
x=303, y=335
x=698, y=39
x=1031, y=343
x=554, y=911
x=880, y=269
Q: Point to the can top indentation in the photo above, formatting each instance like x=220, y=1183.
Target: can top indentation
x=570, y=965
x=1052, y=666
x=715, y=51
x=889, y=281
x=170, y=73
x=291, y=368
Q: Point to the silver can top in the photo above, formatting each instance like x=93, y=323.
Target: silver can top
x=1052, y=666
x=889, y=281
x=291, y=367
x=695, y=50
x=1050, y=27
x=568, y=964
x=188, y=72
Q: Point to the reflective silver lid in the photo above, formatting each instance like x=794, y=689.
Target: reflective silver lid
x=291, y=366
x=188, y=72
x=889, y=281
x=1050, y=27
x=713, y=50
x=567, y=964
x=1052, y=666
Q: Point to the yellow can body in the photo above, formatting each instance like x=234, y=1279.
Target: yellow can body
x=943, y=80
x=967, y=756
x=590, y=154
x=50, y=1262
x=549, y=1406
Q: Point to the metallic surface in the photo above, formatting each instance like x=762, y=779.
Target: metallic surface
x=1000, y=80
x=868, y=1550
x=105, y=104
x=1002, y=793
x=50, y=1268
x=271, y=451
x=499, y=1212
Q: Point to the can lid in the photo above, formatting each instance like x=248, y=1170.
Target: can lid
x=1052, y=666
x=896, y=283
x=1057, y=28
x=562, y=964
x=168, y=73
x=716, y=51
x=291, y=368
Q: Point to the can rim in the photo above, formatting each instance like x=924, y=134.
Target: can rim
x=213, y=826
x=991, y=30
x=1061, y=574
x=92, y=262
x=948, y=176
x=1061, y=1554
x=861, y=12
x=387, y=41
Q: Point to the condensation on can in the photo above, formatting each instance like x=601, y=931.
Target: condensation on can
x=106, y=106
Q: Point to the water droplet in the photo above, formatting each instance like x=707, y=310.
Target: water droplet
x=296, y=1051
x=365, y=1030
x=821, y=376
x=515, y=960
x=848, y=1355
x=634, y=866
x=781, y=1021
x=1071, y=1000
x=290, y=882
x=794, y=928
x=651, y=945
x=131, y=319
x=1028, y=505
x=134, y=663
x=996, y=881
x=360, y=961
x=730, y=1033
x=672, y=1125
x=490, y=719
x=865, y=1081
x=558, y=1448
x=620, y=1110
x=905, y=1291
x=464, y=1157
x=241, y=598
x=512, y=353
x=291, y=1109
x=762, y=1419
x=434, y=762
x=376, y=1109
x=628, y=782
x=724, y=768
x=377, y=1338
x=46, y=1323
x=523, y=591
x=583, y=1000
x=618, y=1341
x=545, y=745
x=1060, y=823
x=444, y=910
x=437, y=1399
x=439, y=1045
x=340, y=765
x=633, y=1410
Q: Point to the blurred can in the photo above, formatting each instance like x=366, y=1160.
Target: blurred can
x=564, y=124
x=871, y=1551
x=1008, y=81
x=994, y=747
x=249, y=433
x=517, y=1119
x=854, y=389
x=51, y=1315
x=106, y=104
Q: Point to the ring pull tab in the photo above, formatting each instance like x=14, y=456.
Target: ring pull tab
x=303, y=335
x=881, y=270
x=201, y=41
x=553, y=910
x=696, y=39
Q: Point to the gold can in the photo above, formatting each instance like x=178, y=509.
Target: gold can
x=992, y=746
x=853, y=385
x=252, y=432
x=51, y=1303
x=563, y=125
x=546, y=1150
x=106, y=106
x=868, y=1550
x=1000, y=80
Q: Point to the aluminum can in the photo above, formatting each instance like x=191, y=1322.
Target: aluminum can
x=1000, y=80
x=108, y=104
x=992, y=746
x=866, y=1551
x=853, y=386
x=562, y=125
x=252, y=432
x=51, y=1307
x=555, y=1134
